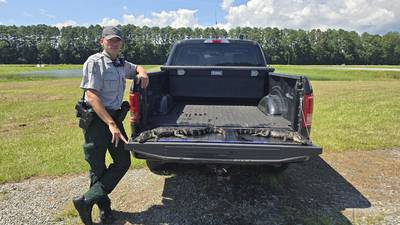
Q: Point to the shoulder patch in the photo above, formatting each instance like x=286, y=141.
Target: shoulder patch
x=90, y=66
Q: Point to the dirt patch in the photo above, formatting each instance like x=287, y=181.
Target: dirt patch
x=339, y=188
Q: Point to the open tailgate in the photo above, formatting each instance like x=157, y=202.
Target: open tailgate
x=235, y=153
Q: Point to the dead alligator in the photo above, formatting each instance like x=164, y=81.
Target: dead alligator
x=181, y=132
x=266, y=132
x=161, y=132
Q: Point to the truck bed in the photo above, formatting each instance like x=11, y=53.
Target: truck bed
x=196, y=90
x=184, y=114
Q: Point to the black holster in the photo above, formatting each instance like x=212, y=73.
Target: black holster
x=85, y=114
x=123, y=111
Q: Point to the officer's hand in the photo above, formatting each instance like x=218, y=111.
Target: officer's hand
x=142, y=79
x=116, y=134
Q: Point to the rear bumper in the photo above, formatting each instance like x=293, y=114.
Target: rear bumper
x=223, y=153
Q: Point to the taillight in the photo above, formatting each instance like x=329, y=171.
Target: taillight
x=134, y=107
x=307, y=111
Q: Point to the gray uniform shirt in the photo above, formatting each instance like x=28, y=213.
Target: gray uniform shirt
x=100, y=74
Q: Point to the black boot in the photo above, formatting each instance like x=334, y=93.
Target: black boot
x=84, y=209
x=106, y=215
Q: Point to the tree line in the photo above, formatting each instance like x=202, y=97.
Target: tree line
x=150, y=45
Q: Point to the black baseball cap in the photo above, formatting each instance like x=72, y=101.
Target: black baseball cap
x=110, y=32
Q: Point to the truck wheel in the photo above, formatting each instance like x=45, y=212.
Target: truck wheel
x=278, y=168
x=158, y=167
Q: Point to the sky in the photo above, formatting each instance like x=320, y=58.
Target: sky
x=372, y=16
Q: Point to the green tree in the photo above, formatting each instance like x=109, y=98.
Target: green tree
x=371, y=52
x=390, y=43
x=151, y=45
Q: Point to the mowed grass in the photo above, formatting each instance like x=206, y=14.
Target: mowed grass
x=356, y=115
x=39, y=135
x=38, y=128
x=336, y=73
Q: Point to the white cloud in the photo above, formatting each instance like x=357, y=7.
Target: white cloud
x=3, y=1
x=374, y=16
x=66, y=24
x=226, y=4
x=109, y=22
x=178, y=18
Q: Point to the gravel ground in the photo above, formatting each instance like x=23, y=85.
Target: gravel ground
x=359, y=187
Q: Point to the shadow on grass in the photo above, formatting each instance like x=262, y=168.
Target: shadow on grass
x=307, y=193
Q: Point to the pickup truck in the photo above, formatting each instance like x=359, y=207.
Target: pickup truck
x=217, y=102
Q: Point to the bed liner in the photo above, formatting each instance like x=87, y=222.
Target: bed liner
x=220, y=116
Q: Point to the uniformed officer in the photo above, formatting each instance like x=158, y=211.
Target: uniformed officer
x=103, y=81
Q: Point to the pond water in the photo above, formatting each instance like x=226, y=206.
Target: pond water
x=53, y=73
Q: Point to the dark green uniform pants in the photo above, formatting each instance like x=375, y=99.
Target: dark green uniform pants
x=102, y=179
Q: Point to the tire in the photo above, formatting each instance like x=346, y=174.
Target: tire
x=158, y=167
x=277, y=168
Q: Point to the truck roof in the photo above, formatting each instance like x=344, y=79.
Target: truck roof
x=202, y=40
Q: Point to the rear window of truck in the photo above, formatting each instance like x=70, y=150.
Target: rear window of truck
x=222, y=54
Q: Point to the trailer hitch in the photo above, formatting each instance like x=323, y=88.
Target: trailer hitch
x=222, y=172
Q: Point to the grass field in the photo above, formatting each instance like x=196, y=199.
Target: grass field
x=40, y=137
x=334, y=73
x=357, y=115
x=39, y=132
